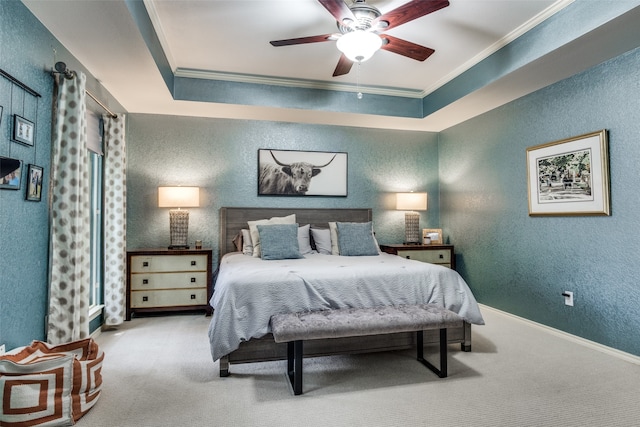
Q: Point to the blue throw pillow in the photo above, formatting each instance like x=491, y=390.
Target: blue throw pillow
x=279, y=241
x=356, y=239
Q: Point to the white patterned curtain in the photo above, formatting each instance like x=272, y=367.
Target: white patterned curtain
x=115, y=220
x=70, y=215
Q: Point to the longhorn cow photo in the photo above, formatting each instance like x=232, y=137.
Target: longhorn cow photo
x=301, y=173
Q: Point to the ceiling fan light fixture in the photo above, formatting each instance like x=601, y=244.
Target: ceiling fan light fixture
x=359, y=45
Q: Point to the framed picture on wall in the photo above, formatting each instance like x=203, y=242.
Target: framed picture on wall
x=302, y=173
x=23, y=130
x=570, y=176
x=10, y=173
x=34, y=183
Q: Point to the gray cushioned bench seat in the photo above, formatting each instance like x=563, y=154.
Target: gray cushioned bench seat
x=294, y=328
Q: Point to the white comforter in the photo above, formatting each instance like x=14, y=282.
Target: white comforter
x=248, y=291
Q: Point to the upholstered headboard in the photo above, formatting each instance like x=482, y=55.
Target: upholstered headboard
x=232, y=220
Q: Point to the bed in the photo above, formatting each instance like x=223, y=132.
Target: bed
x=243, y=300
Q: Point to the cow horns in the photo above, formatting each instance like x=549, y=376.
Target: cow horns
x=284, y=164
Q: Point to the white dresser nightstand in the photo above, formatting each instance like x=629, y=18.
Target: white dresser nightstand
x=168, y=280
x=433, y=254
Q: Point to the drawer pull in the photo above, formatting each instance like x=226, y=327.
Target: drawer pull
x=193, y=280
x=441, y=256
x=193, y=263
x=145, y=263
x=193, y=296
x=145, y=299
x=408, y=257
x=145, y=281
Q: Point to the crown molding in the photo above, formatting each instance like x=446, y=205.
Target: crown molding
x=345, y=87
x=536, y=20
x=295, y=83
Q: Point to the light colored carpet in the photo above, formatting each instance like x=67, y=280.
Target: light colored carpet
x=158, y=372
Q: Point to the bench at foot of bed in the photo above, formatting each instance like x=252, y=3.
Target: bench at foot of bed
x=295, y=328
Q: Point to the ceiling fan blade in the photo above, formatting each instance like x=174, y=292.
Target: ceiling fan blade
x=405, y=48
x=343, y=67
x=408, y=12
x=339, y=9
x=302, y=40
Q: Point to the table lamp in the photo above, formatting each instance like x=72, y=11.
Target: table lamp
x=411, y=202
x=177, y=198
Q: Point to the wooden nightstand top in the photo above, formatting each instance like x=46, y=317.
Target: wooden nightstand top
x=404, y=247
x=167, y=251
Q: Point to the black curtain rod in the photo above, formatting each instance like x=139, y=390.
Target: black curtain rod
x=61, y=68
x=18, y=83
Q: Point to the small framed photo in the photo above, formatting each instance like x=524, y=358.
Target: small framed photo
x=10, y=173
x=434, y=235
x=34, y=183
x=302, y=173
x=569, y=177
x=23, y=130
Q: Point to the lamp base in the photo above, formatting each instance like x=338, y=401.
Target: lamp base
x=178, y=228
x=411, y=228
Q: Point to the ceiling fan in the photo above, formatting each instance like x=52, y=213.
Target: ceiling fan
x=362, y=26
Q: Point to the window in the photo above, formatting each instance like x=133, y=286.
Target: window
x=96, y=230
x=94, y=145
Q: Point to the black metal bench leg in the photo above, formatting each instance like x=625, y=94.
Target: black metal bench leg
x=442, y=372
x=294, y=365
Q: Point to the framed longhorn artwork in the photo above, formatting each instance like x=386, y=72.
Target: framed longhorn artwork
x=302, y=173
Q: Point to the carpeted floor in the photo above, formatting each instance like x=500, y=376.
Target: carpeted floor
x=158, y=372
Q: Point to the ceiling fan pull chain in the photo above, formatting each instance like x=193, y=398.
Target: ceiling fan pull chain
x=359, y=95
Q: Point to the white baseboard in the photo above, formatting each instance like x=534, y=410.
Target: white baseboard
x=574, y=338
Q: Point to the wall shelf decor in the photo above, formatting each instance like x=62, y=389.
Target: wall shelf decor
x=34, y=183
x=10, y=173
x=23, y=130
x=18, y=83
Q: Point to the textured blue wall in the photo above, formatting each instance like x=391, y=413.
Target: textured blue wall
x=221, y=157
x=24, y=224
x=522, y=264
x=28, y=52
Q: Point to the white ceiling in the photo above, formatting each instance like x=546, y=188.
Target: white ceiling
x=229, y=40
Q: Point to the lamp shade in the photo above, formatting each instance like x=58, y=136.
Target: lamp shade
x=411, y=201
x=178, y=197
x=359, y=45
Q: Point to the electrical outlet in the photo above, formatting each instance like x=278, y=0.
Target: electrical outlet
x=568, y=298
x=2, y=349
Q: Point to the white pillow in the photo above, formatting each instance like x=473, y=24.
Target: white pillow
x=304, y=242
x=322, y=239
x=255, y=235
x=335, y=248
x=247, y=245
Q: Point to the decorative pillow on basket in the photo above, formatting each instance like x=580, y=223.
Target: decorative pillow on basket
x=44, y=385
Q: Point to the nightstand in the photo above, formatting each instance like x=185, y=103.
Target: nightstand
x=168, y=280
x=433, y=254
